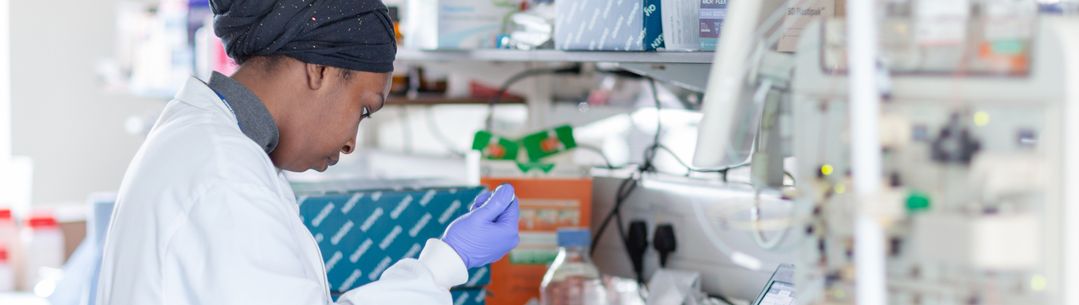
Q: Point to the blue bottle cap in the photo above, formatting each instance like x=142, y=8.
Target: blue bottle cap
x=574, y=237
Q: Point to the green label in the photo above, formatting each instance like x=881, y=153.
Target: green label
x=494, y=147
x=549, y=142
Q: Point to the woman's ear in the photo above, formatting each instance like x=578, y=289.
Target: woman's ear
x=316, y=75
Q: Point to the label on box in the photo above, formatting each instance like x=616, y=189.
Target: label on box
x=941, y=22
x=712, y=13
x=680, y=26
x=540, y=220
x=653, y=25
x=798, y=16
x=546, y=205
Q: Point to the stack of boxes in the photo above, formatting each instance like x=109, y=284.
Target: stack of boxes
x=671, y=25
x=362, y=233
x=633, y=25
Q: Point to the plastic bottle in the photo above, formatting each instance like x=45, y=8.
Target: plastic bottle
x=9, y=240
x=44, y=246
x=572, y=279
x=7, y=273
x=8, y=231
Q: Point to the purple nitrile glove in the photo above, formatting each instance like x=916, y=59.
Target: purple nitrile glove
x=488, y=231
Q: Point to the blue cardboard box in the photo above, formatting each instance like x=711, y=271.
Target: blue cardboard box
x=460, y=296
x=630, y=25
x=361, y=233
x=471, y=296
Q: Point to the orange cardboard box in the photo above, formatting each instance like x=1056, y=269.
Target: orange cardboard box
x=546, y=205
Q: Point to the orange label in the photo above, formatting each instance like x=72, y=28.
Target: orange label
x=551, y=144
x=495, y=150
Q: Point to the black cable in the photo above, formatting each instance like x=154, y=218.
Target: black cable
x=648, y=166
x=690, y=169
x=623, y=166
x=619, y=73
x=573, y=69
x=601, y=154
x=630, y=75
x=624, y=190
x=650, y=153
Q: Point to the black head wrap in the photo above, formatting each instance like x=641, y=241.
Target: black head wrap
x=350, y=34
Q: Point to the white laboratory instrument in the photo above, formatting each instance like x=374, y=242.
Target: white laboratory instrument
x=980, y=153
x=723, y=98
x=718, y=227
x=728, y=118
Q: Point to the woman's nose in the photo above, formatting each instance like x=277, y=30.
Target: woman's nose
x=348, y=148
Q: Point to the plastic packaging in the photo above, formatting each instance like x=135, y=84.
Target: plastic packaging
x=44, y=244
x=572, y=279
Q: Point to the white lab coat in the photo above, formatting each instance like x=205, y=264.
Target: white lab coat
x=203, y=217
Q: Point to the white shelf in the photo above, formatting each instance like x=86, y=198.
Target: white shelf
x=496, y=55
x=688, y=69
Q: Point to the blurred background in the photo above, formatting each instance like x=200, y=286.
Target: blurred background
x=82, y=83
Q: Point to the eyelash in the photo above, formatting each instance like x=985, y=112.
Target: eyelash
x=366, y=114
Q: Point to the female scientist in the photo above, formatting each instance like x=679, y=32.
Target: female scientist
x=204, y=214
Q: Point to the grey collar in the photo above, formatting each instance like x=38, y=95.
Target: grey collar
x=255, y=120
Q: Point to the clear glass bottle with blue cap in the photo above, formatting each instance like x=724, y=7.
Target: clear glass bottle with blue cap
x=572, y=279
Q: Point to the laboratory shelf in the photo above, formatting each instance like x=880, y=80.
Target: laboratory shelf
x=687, y=69
x=497, y=55
x=494, y=66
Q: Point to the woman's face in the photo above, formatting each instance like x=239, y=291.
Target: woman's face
x=326, y=119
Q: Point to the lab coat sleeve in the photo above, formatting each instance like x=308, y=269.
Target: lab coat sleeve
x=237, y=246
x=426, y=280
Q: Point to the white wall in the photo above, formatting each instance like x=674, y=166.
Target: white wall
x=5, y=82
x=61, y=116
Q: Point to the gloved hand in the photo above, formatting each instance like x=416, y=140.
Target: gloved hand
x=489, y=230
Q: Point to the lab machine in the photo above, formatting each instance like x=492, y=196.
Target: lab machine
x=977, y=147
x=978, y=158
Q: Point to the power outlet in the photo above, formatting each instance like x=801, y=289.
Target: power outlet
x=713, y=225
